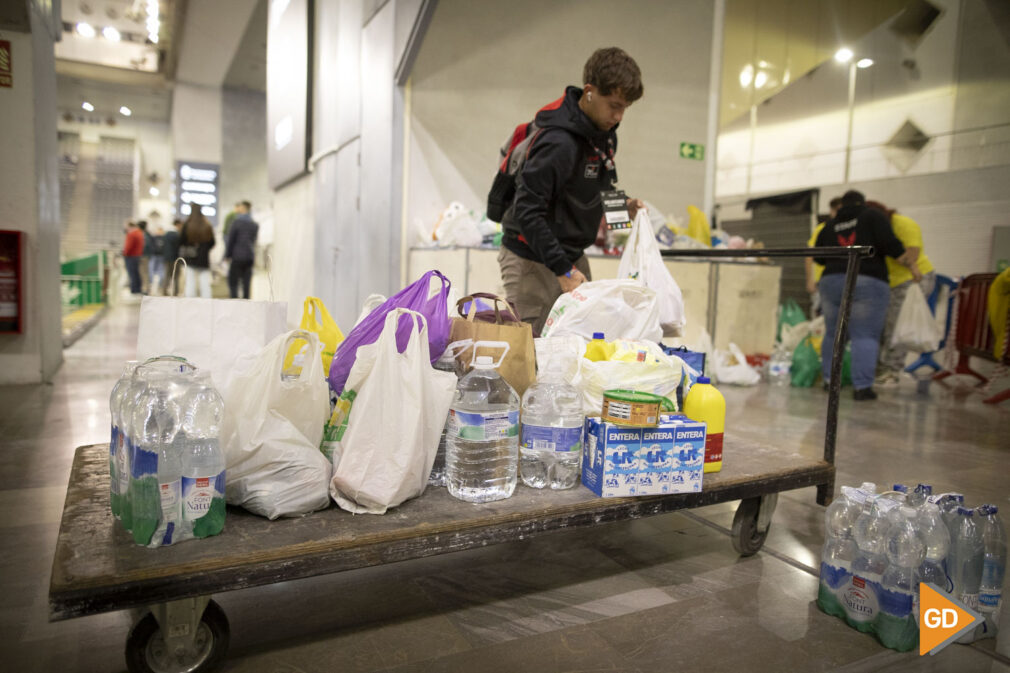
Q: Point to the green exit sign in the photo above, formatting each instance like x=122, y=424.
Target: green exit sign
x=692, y=151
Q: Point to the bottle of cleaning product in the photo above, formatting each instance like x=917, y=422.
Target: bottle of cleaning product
x=482, y=442
x=599, y=349
x=705, y=403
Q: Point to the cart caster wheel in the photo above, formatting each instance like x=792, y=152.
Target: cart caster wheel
x=747, y=540
x=146, y=651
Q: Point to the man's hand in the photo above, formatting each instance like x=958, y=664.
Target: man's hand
x=570, y=283
x=916, y=274
x=634, y=205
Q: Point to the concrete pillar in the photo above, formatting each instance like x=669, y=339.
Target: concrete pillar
x=29, y=198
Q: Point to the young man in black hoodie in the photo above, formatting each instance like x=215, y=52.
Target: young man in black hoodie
x=558, y=206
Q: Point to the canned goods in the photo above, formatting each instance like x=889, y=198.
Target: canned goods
x=630, y=407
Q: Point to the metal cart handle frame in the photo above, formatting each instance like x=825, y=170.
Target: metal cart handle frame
x=853, y=255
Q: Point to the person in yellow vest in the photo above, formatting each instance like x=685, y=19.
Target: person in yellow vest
x=892, y=360
x=813, y=269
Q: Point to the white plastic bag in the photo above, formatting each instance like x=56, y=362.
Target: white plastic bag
x=271, y=433
x=732, y=368
x=659, y=374
x=915, y=328
x=396, y=419
x=621, y=309
x=642, y=261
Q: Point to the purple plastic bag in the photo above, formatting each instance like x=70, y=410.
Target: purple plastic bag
x=418, y=296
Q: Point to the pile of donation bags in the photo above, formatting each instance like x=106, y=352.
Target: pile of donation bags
x=313, y=415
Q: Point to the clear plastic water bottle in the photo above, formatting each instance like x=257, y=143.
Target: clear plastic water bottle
x=966, y=559
x=203, y=463
x=168, y=417
x=839, y=548
x=948, y=504
x=919, y=495
x=550, y=445
x=990, y=593
x=779, y=366
x=144, y=494
x=482, y=443
x=446, y=363
x=862, y=601
x=117, y=442
x=937, y=539
x=896, y=624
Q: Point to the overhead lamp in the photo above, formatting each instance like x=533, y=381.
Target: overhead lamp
x=85, y=29
x=125, y=111
x=110, y=34
x=746, y=75
x=153, y=191
x=864, y=63
x=760, y=79
x=843, y=55
x=88, y=106
x=153, y=37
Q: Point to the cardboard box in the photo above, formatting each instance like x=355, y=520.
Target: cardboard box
x=621, y=461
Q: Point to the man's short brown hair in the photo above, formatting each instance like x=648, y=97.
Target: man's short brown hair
x=611, y=70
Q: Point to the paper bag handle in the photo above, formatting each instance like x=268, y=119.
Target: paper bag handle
x=495, y=301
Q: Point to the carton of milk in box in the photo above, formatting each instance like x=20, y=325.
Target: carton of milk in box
x=622, y=461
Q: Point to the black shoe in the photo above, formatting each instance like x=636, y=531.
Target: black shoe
x=864, y=394
x=825, y=386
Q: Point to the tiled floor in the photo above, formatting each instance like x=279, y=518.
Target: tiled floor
x=660, y=594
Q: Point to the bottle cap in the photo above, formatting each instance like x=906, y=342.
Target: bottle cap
x=987, y=509
x=704, y=379
x=924, y=488
x=900, y=488
x=965, y=511
x=598, y=335
x=484, y=362
x=957, y=497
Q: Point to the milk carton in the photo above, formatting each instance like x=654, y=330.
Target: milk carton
x=622, y=461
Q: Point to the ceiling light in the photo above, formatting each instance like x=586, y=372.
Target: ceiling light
x=125, y=111
x=153, y=191
x=843, y=55
x=110, y=34
x=864, y=63
x=746, y=75
x=88, y=106
x=85, y=29
x=153, y=37
x=760, y=79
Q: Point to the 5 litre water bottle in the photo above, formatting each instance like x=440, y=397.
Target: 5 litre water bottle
x=445, y=363
x=117, y=444
x=966, y=559
x=990, y=594
x=482, y=443
x=203, y=463
x=896, y=623
x=550, y=449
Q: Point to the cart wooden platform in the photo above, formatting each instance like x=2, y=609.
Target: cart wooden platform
x=97, y=568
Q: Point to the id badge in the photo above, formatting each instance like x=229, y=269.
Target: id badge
x=615, y=210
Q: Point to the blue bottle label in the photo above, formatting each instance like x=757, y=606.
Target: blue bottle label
x=543, y=438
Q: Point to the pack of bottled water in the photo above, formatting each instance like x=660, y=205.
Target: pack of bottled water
x=879, y=547
x=166, y=466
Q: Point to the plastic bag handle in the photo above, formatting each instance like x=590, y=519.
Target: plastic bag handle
x=490, y=344
x=175, y=265
x=293, y=336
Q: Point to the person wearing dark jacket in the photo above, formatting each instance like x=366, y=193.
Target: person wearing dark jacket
x=169, y=253
x=195, y=241
x=856, y=224
x=557, y=208
x=240, y=248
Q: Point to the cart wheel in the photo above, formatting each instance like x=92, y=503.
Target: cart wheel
x=146, y=651
x=747, y=540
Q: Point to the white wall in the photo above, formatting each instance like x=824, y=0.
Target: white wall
x=957, y=92
x=29, y=202
x=243, y=150
x=197, y=123
x=485, y=67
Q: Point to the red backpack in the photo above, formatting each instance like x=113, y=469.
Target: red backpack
x=512, y=156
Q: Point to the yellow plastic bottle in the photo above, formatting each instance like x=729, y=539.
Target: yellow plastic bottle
x=599, y=349
x=705, y=403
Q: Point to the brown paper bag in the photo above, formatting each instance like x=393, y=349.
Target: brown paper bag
x=519, y=365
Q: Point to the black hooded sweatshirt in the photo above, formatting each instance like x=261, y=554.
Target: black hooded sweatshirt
x=557, y=208
x=860, y=225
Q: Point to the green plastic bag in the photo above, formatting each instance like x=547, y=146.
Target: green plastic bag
x=790, y=314
x=806, y=365
x=847, y=367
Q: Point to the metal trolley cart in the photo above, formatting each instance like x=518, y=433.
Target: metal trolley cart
x=97, y=568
